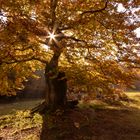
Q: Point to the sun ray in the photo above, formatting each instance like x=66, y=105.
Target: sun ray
x=52, y=36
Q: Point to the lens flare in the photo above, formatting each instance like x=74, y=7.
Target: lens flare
x=52, y=36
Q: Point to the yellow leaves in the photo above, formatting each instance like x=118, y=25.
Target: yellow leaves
x=13, y=75
x=103, y=76
x=106, y=37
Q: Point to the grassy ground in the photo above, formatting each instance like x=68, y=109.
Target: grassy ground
x=93, y=121
x=16, y=123
x=12, y=107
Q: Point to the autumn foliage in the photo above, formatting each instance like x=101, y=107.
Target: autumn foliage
x=99, y=49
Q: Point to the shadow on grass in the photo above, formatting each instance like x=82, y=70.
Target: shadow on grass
x=95, y=121
x=70, y=124
x=89, y=123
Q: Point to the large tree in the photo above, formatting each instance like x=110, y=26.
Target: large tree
x=91, y=41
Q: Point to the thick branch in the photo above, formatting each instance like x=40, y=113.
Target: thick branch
x=54, y=60
x=24, y=48
x=15, y=60
x=83, y=13
x=81, y=41
x=53, y=5
x=65, y=28
x=75, y=39
x=95, y=11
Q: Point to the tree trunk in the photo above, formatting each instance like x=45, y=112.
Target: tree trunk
x=56, y=88
x=56, y=84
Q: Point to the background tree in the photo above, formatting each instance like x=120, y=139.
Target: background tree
x=92, y=41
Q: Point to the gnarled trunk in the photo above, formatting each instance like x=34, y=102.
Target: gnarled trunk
x=56, y=84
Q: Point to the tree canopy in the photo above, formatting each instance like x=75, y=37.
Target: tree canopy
x=96, y=39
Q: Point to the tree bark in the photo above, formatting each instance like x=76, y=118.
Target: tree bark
x=56, y=84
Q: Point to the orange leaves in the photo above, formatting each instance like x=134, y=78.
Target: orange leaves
x=13, y=75
x=98, y=46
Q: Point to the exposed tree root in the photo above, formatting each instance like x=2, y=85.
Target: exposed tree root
x=43, y=107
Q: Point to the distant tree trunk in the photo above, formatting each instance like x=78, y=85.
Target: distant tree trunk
x=56, y=84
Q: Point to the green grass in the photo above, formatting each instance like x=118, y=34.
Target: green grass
x=16, y=124
x=11, y=108
x=134, y=100
x=95, y=104
x=20, y=120
x=16, y=121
